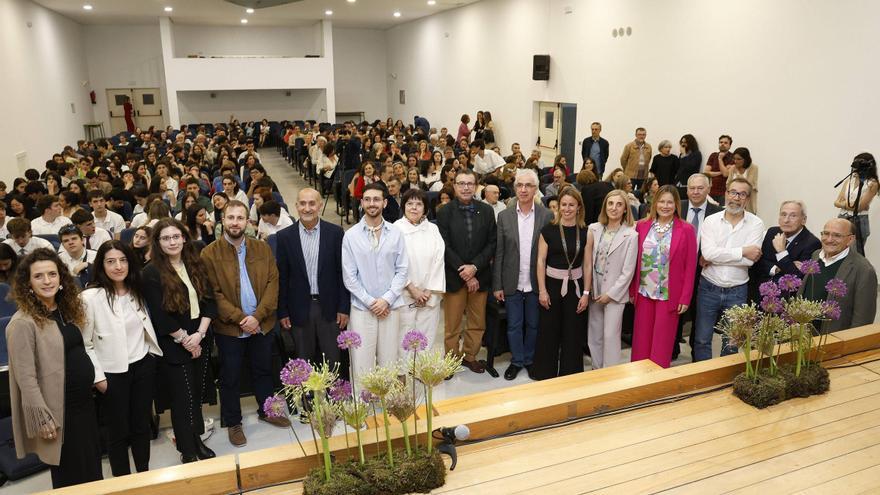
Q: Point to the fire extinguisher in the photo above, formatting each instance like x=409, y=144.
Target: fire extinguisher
x=93, y=97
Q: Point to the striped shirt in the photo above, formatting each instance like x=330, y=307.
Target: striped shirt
x=310, y=239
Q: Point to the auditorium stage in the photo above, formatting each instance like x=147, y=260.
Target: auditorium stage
x=692, y=436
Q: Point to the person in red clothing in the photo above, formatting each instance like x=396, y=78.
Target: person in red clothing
x=129, y=119
x=718, y=167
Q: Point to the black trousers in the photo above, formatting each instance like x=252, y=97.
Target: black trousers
x=258, y=349
x=562, y=334
x=185, y=383
x=127, y=408
x=317, y=337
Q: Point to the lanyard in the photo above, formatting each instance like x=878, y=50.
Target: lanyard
x=577, y=247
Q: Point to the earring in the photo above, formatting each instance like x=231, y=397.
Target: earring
x=31, y=291
x=60, y=287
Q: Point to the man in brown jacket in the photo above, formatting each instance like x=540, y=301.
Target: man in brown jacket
x=245, y=280
x=636, y=158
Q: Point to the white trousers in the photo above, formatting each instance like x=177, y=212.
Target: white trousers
x=380, y=339
x=425, y=320
x=603, y=334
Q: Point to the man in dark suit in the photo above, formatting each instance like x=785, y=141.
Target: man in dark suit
x=312, y=299
x=468, y=229
x=694, y=209
x=791, y=241
x=838, y=259
x=596, y=147
x=515, y=279
x=593, y=196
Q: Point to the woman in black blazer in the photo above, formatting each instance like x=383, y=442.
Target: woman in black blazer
x=176, y=288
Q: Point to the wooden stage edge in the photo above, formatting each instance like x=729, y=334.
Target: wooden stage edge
x=495, y=412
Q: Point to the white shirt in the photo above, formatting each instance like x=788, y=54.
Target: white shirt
x=266, y=229
x=95, y=240
x=112, y=222
x=327, y=165
x=255, y=215
x=42, y=227
x=137, y=220
x=526, y=228
x=834, y=259
x=721, y=245
x=88, y=256
x=488, y=162
x=701, y=216
x=32, y=245
x=498, y=207
x=4, y=231
x=425, y=251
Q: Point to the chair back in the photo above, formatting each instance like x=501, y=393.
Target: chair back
x=127, y=235
x=4, y=352
x=53, y=238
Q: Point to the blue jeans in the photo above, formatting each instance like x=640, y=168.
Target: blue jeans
x=232, y=351
x=711, y=303
x=522, y=309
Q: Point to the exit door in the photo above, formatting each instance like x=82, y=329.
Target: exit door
x=146, y=108
x=548, y=128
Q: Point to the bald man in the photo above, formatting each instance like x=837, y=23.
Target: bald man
x=837, y=260
x=313, y=303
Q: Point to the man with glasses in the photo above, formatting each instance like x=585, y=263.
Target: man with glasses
x=515, y=278
x=837, y=260
x=468, y=229
x=729, y=243
x=374, y=268
x=783, y=246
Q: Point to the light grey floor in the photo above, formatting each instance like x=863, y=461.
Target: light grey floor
x=261, y=435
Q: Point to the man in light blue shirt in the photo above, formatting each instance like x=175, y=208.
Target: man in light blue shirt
x=374, y=270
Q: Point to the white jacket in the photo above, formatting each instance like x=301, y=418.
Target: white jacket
x=104, y=335
x=425, y=251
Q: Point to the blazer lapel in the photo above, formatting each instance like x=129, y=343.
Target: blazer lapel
x=677, y=225
x=618, y=240
x=323, y=247
x=300, y=256
x=843, y=272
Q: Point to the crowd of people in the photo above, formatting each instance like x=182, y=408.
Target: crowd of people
x=162, y=259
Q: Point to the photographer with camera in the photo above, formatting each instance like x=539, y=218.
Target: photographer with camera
x=856, y=194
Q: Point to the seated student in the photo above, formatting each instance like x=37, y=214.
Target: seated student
x=93, y=237
x=8, y=263
x=193, y=187
x=108, y=220
x=116, y=202
x=4, y=231
x=140, y=194
x=22, y=240
x=73, y=252
x=50, y=219
x=271, y=219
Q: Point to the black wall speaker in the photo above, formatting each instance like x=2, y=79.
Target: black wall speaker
x=541, y=68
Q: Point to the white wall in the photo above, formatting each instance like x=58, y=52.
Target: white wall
x=123, y=57
x=360, y=71
x=199, y=107
x=297, y=41
x=794, y=81
x=44, y=69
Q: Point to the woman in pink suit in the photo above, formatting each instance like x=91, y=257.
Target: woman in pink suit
x=663, y=283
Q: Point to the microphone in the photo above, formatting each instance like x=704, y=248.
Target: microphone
x=450, y=435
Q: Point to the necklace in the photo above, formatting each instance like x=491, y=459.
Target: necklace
x=662, y=229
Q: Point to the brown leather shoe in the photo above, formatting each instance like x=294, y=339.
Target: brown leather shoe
x=279, y=422
x=474, y=366
x=236, y=436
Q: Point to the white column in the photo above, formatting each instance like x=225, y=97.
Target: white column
x=167, y=37
x=327, y=44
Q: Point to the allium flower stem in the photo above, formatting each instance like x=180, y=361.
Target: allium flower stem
x=376, y=424
x=387, y=433
x=415, y=416
x=406, y=439
x=429, y=403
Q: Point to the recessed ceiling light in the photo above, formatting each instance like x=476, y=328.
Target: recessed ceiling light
x=352, y=1
x=249, y=11
x=87, y=7
x=328, y=12
x=168, y=9
x=397, y=14
x=244, y=21
x=432, y=2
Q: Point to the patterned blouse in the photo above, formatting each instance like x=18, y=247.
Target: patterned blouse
x=654, y=273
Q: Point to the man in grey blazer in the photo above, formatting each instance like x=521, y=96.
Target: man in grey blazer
x=837, y=260
x=515, y=279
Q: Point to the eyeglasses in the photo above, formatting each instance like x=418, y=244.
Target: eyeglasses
x=465, y=184
x=793, y=216
x=738, y=194
x=169, y=238
x=834, y=235
x=524, y=186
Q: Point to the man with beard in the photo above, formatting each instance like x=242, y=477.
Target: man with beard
x=374, y=268
x=244, y=277
x=730, y=243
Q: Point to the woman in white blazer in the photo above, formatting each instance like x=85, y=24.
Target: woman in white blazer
x=612, y=247
x=120, y=340
x=426, y=278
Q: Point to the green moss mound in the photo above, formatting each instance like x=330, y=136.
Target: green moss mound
x=760, y=393
x=419, y=473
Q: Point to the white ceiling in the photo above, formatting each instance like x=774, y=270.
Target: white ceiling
x=375, y=14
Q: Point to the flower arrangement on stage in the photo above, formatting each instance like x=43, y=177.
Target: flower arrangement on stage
x=324, y=399
x=782, y=317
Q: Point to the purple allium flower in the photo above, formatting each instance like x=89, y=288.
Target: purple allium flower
x=771, y=304
x=810, y=267
x=769, y=289
x=415, y=340
x=789, y=283
x=275, y=407
x=831, y=309
x=340, y=391
x=836, y=288
x=348, y=339
x=368, y=396
x=295, y=372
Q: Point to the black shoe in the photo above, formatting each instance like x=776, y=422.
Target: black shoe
x=202, y=450
x=186, y=459
x=529, y=371
x=489, y=369
x=511, y=372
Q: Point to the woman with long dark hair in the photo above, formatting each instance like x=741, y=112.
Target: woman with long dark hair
x=122, y=344
x=200, y=228
x=8, y=262
x=745, y=169
x=180, y=298
x=689, y=162
x=50, y=374
x=864, y=171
